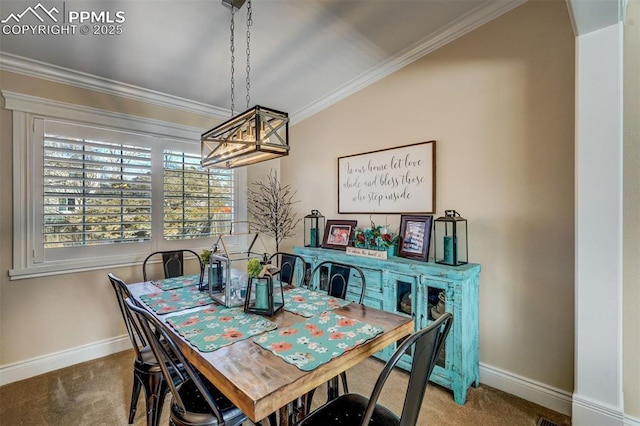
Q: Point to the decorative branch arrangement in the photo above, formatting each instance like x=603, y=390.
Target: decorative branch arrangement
x=270, y=206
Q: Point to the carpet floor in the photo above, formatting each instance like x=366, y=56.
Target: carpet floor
x=98, y=393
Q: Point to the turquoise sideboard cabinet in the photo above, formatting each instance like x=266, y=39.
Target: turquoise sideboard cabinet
x=421, y=290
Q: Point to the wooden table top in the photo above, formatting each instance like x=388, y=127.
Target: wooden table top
x=260, y=383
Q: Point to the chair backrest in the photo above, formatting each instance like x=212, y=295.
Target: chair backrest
x=136, y=335
x=287, y=264
x=172, y=263
x=338, y=278
x=428, y=343
x=175, y=367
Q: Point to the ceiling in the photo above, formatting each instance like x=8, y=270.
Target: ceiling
x=304, y=54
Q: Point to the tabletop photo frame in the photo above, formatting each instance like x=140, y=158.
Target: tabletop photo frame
x=338, y=234
x=415, y=236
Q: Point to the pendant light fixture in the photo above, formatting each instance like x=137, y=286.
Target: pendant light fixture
x=256, y=135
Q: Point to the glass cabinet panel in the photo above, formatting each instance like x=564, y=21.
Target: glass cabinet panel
x=404, y=298
x=436, y=305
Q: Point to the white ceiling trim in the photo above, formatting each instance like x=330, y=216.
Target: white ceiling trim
x=467, y=23
x=56, y=74
x=95, y=116
x=456, y=29
x=593, y=15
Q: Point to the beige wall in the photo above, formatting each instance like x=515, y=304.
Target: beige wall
x=500, y=104
x=631, y=201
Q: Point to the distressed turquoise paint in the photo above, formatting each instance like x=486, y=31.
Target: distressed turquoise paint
x=386, y=279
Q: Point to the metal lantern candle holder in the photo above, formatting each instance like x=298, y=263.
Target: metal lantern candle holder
x=259, y=295
x=313, y=229
x=450, y=239
x=228, y=266
x=215, y=274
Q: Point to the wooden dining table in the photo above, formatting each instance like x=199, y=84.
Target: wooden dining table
x=261, y=383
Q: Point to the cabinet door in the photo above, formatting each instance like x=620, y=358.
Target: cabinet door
x=402, y=300
x=436, y=299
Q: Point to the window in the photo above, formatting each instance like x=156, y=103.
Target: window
x=112, y=191
x=94, y=192
x=197, y=202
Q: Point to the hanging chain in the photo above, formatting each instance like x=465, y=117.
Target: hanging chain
x=249, y=24
x=233, y=59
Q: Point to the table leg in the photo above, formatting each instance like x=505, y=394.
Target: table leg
x=293, y=412
x=283, y=414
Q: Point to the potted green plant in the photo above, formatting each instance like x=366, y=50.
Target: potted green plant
x=205, y=255
x=253, y=267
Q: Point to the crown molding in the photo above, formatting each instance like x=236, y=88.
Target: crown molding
x=456, y=29
x=32, y=68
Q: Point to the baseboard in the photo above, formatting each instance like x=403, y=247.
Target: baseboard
x=588, y=412
x=32, y=367
x=631, y=421
x=522, y=387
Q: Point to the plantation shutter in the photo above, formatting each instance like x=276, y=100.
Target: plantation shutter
x=96, y=191
x=198, y=202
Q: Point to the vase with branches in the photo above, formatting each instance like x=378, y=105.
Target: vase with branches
x=271, y=208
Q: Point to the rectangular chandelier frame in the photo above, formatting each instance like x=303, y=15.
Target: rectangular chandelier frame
x=258, y=134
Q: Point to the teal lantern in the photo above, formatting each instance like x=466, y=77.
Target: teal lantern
x=313, y=229
x=450, y=239
x=259, y=297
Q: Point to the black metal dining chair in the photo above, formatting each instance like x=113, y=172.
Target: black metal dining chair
x=172, y=263
x=287, y=263
x=195, y=402
x=147, y=373
x=354, y=409
x=333, y=277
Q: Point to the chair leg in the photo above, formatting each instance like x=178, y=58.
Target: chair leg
x=273, y=420
x=135, y=394
x=345, y=387
x=153, y=388
x=159, y=402
x=333, y=389
x=309, y=399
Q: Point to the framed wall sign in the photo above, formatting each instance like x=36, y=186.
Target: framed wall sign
x=415, y=236
x=394, y=180
x=338, y=234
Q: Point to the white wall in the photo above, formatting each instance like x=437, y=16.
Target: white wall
x=599, y=228
x=598, y=394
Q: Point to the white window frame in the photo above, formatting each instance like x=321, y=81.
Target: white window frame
x=27, y=238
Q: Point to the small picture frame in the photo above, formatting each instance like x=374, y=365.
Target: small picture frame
x=415, y=236
x=338, y=234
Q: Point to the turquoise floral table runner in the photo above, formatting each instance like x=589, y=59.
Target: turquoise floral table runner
x=218, y=326
x=318, y=340
x=308, y=303
x=164, y=302
x=177, y=282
